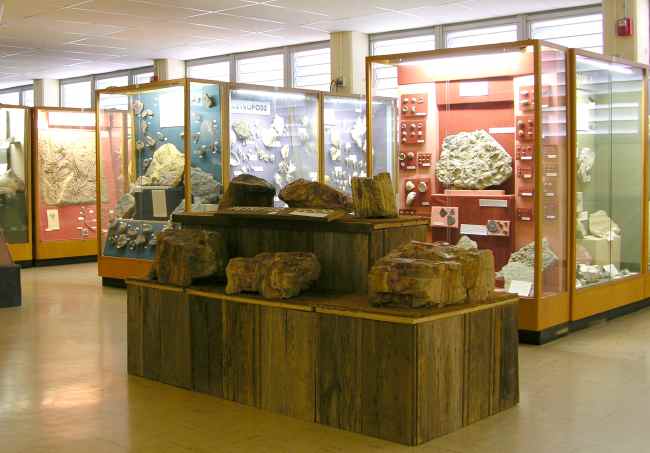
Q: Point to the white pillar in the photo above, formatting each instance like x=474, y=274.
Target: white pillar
x=46, y=93
x=168, y=69
x=349, y=50
x=635, y=47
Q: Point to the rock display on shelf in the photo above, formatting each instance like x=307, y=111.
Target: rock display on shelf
x=473, y=160
x=374, y=197
x=280, y=275
x=10, y=184
x=421, y=274
x=242, y=130
x=248, y=190
x=465, y=243
x=585, y=160
x=602, y=226
x=521, y=263
x=183, y=256
x=125, y=207
x=205, y=189
x=166, y=168
x=310, y=194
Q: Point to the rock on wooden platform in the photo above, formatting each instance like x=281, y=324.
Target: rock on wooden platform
x=374, y=197
x=185, y=255
x=274, y=275
x=248, y=190
x=310, y=194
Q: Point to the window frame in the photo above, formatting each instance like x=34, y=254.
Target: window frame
x=289, y=61
x=265, y=53
x=232, y=71
x=565, y=13
x=75, y=80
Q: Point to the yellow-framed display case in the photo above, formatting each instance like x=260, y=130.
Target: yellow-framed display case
x=483, y=151
x=64, y=172
x=15, y=181
x=159, y=148
x=609, y=168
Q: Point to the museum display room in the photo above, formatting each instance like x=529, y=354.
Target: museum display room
x=65, y=218
x=15, y=181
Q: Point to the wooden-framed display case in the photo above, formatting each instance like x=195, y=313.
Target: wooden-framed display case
x=15, y=181
x=64, y=176
x=159, y=147
x=609, y=170
x=507, y=102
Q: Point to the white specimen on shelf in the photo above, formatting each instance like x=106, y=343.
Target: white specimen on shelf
x=270, y=138
x=422, y=187
x=149, y=141
x=585, y=160
x=137, y=106
x=278, y=125
x=522, y=262
x=410, y=198
x=335, y=153
x=284, y=152
x=10, y=183
x=166, y=168
x=358, y=132
x=602, y=226
x=409, y=186
x=242, y=130
x=147, y=114
x=335, y=137
x=264, y=155
x=465, y=243
x=473, y=160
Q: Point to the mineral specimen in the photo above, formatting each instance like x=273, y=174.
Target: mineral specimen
x=473, y=160
x=358, y=132
x=242, y=130
x=166, y=168
x=10, y=184
x=185, y=255
x=421, y=274
x=125, y=206
x=274, y=275
x=309, y=194
x=137, y=106
x=409, y=186
x=205, y=189
x=465, y=243
x=410, y=198
x=248, y=190
x=374, y=197
x=602, y=226
x=585, y=160
x=521, y=264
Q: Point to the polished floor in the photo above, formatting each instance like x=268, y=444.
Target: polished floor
x=64, y=388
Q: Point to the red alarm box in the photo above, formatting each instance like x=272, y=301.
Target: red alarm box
x=624, y=26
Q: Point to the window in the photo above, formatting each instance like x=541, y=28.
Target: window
x=118, y=102
x=210, y=71
x=485, y=35
x=28, y=97
x=265, y=70
x=115, y=81
x=581, y=32
x=11, y=97
x=76, y=94
x=143, y=77
x=402, y=45
x=312, y=69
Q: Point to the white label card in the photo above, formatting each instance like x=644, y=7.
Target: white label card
x=477, y=230
x=53, y=220
x=171, y=108
x=472, y=89
x=159, y=203
x=489, y=203
x=309, y=213
x=258, y=169
x=250, y=107
x=521, y=287
x=501, y=130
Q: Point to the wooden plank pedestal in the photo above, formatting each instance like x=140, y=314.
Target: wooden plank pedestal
x=403, y=375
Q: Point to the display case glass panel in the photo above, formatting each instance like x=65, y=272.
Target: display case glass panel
x=14, y=174
x=469, y=144
x=609, y=169
x=384, y=136
x=274, y=134
x=65, y=166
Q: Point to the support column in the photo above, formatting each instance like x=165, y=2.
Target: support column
x=635, y=47
x=46, y=93
x=349, y=50
x=168, y=69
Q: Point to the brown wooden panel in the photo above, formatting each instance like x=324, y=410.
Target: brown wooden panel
x=376, y=246
x=200, y=344
x=151, y=333
x=509, y=375
x=478, y=365
x=241, y=352
x=441, y=361
x=344, y=261
x=397, y=237
x=175, y=340
x=134, y=328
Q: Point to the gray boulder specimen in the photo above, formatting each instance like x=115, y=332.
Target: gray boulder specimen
x=166, y=168
x=205, y=188
x=521, y=264
x=125, y=206
x=473, y=160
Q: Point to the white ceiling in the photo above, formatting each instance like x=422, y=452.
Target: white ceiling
x=68, y=38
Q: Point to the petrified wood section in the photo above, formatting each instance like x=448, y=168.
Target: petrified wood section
x=248, y=190
x=185, y=255
x=422, y=274
x=310, y=194
x=374, y=197
x=279, y=275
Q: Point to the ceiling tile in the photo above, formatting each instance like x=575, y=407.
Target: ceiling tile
x=237, y=22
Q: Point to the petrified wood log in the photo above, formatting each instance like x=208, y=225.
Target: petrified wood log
x=248, y=190
x=419, y=274
x=310, y=194
x=274, y=275
x=185, y=255
x=374, y=197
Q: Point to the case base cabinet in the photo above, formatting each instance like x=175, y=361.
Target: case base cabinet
x=406, y=376
x=21, y=253
x=122, y=268
x=68, y=250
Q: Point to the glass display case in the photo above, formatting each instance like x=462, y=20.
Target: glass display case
x=273, y=134
x=65, y=186
x=15, y=177
x=160, y=152
x=482, y=135
x=610, y=146
x=344, y=135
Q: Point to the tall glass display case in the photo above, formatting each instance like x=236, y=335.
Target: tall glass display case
x=610, y=118
x=65, y=219
x=482, y=135
x=160, y=151
x=273, y=134
x=15, y=181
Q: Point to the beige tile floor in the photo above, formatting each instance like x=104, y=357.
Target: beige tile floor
x=64, y=388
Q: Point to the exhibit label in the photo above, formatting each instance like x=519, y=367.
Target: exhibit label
x=250, y=107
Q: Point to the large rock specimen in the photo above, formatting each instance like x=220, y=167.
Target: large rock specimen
x=248, y=190
x=10, y=184
x=585, y=160
x=314, y=195
x=421, y=274
x=374, y=197
x=278, y=275
x=473, y=160
x=166, y=168
x=205, y=188
x=185, y=255
x=521, y=264
x=602, y=226
x=125, y=207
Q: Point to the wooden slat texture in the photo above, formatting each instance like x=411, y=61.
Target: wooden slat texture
x=509, y=363
x=478, y=365
x=151, y=333
x=207, y=345
x=134, y=330
x=175, y=340
x=344, y=261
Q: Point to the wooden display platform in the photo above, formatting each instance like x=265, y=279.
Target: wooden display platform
x=405, y=375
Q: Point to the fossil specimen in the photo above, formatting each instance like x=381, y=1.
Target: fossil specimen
x=358, y=132
x=10, y=184
x=585, y=159
x=166, y=168
x=242, y=130
x=137, y=106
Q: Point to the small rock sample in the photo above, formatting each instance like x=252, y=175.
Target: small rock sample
x=274, y=275
x=465, y=243
x=166, y=168
x=602, y=226
x=185, y=255
x=205, y=189
x=374, y=197
x=314, y=195
x=248, y=190
x=10, y=184
x=516, y=271
x=421, y=274
x=585, y=160
x=526, y=255
x=473, y=160
x=242, y=130
x=125, y=207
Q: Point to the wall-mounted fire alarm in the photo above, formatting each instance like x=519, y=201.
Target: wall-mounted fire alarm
x=624, y=26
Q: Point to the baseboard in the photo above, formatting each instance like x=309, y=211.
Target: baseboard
x=113, y=282
x=62, y=261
